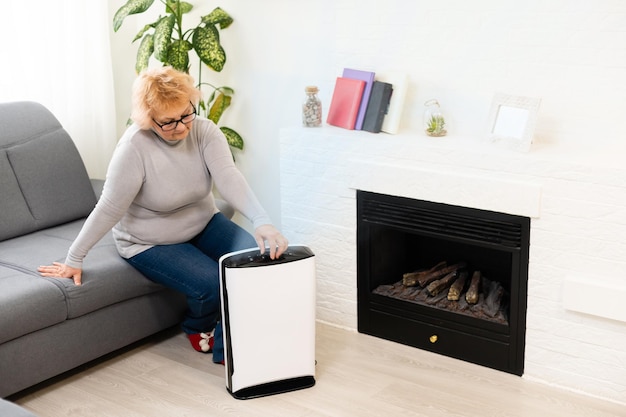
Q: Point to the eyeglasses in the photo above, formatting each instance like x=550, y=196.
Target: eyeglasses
x=188, y=118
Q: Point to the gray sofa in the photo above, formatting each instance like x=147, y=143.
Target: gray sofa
x=49, y=326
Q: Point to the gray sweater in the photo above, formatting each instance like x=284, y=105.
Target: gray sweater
x=159, y=192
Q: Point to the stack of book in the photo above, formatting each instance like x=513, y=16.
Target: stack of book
x=363, y=100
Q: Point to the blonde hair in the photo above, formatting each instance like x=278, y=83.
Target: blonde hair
x=156, y=90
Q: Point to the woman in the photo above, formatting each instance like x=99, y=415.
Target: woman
x=158, y=200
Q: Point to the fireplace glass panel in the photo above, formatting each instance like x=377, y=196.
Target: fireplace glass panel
x=396, y=252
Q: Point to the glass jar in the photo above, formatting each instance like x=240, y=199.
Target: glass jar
x=311, y=108
x=434, y=121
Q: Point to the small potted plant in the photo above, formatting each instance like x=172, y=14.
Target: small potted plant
x=434, y=121
x=436, y=125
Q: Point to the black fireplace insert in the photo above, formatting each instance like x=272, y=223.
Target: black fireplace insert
x=411, y=253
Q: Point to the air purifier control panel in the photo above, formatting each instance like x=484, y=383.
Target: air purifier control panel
x=252, y=258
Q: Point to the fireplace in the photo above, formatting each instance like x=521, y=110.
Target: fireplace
x=399, y=236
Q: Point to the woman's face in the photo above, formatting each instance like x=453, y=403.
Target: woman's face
x=175, y=123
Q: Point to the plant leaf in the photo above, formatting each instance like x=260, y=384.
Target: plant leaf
x=185, y=7
x=220, y=104
x=212, y=96
x=178, y=55
x=227, y=90
x=143, y=31
x=163, y=37
x=233, y=138
x=206, y=42
x=172, y=6
x=143, y=53
x=131, y=7
x=218, y=16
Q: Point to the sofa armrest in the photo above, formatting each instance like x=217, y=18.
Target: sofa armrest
x=97, y=186
x=226, y=209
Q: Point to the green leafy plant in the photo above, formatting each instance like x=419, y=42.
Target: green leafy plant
x=436, y=125
x=167, y=41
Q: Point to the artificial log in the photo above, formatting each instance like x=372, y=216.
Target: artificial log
x=471, y=296
x=410, y=278
x=454, y=293
x=439, y=285
x=424, y=280
x=494, y=299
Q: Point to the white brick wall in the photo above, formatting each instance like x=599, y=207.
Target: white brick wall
x=578, y=211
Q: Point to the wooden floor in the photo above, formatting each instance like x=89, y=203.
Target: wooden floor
x=357, y=375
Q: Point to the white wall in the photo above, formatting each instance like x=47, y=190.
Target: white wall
x=571, y=54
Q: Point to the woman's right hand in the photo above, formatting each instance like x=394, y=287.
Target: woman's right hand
x=276, y=241
x=59, y=270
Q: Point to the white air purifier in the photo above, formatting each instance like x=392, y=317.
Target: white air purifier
x=268, y=317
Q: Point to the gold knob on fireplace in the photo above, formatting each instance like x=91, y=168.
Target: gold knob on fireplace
x=433, y=338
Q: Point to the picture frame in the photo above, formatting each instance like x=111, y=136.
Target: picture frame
x=512, y=121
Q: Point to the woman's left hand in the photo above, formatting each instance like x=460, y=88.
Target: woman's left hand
x=275, y=240
x=59, y=270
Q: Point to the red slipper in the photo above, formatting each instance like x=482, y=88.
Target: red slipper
x=202, y=342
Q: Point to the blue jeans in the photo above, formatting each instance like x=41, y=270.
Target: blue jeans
x=192, y=268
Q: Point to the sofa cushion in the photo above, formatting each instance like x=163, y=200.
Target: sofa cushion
x=53, y=179
x=39, y=161
x=107, y=278
x=28, y=304
x=14, y=213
